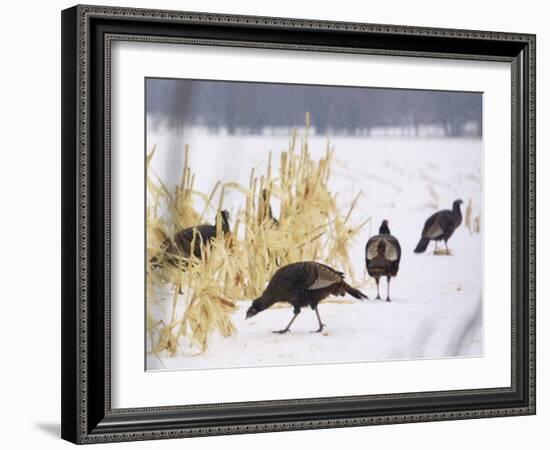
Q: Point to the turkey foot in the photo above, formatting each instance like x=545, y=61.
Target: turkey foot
x=286, y=330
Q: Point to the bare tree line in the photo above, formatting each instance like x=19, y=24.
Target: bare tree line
x=243, y=107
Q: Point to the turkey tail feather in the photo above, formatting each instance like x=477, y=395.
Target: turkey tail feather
x=422, y=245
x=354, y=292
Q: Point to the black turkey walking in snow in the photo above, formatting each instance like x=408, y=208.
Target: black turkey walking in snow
x=382, y=255
x=440, y=227
x=302, y=284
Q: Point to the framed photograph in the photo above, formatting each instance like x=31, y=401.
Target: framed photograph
x=281, y=224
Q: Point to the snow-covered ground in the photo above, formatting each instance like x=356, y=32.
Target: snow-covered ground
x=436, y=308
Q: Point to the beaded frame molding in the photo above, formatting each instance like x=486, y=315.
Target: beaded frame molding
x=87, y=34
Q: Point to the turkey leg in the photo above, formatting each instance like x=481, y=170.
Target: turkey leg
x=388, y=297
x=287, y=329
x=377, y=288
x=321, y=324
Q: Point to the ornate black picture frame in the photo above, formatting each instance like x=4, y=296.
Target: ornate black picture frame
x=87, y=34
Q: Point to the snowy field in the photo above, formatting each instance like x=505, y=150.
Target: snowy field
x=436, y=308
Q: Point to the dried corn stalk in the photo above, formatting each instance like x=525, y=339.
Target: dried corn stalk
x=238, y=266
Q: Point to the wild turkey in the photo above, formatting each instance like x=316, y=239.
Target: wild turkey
x=265, y=211
x=440, y=226
x=382, y=255
x=203, y=233
x=302, y=284
x=183, y=240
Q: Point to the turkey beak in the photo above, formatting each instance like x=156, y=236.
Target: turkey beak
x=250, y=313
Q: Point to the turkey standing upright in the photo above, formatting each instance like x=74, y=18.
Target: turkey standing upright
x=440, y=226
x=382, y=255
x=264, y=209
x=302, y=284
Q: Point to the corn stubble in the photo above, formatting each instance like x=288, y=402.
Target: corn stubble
x=205, y=291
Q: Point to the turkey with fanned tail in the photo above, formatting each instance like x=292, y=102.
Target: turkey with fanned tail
x=302, y=284
x=382, y=255
x=440, y=226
